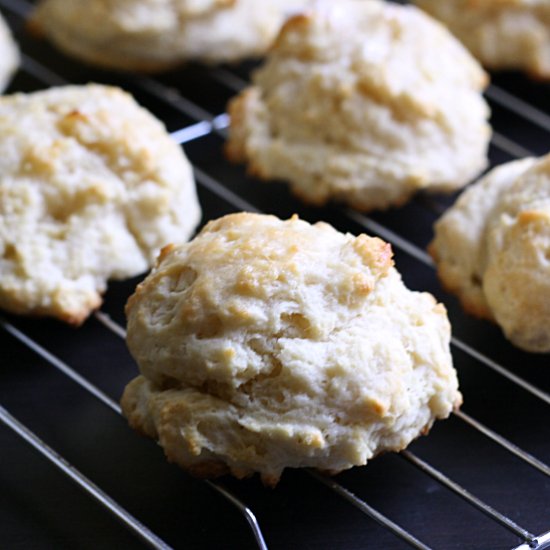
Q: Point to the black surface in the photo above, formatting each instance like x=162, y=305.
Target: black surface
x=41, y=508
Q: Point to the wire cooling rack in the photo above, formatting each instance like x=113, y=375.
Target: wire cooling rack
x=73, y=475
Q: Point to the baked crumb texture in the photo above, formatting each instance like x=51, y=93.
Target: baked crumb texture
x=364, y=102
x=91, y=187
x=502, y=34
x=492, y=249
x=148, y=35
x=265, y=344
x=9, y=55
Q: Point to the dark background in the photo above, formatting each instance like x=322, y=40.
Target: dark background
x=41, y=508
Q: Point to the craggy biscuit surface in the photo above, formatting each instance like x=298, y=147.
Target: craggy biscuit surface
x=91, y=187
x=502, y=34
x=364, y=102
x=493, y=249
x=9, y=55
x=265, y=344
x=153, y=35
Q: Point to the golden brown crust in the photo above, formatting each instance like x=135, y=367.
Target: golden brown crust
x=296, y=23
x=73, y=317
x=235, y=149
x=266, y=344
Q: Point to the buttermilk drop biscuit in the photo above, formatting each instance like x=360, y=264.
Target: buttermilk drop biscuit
x=9, y=55
x=152, y=35
x=365, y=102
x=502, y=34
x=265, y=344
x=493, y=250
x=91, y=187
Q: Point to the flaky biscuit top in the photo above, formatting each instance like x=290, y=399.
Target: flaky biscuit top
x=91, y=188
x=264, y=277
x=266, y=344
x=365, y=102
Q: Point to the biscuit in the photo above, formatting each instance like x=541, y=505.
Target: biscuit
x=492, y=249
x=91, y=187
x=265, y=344
x=9, y=55
x=363, y=102
x=147, y=35
x=503, y=34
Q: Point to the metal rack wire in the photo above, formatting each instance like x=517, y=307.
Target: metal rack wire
x=202, y=123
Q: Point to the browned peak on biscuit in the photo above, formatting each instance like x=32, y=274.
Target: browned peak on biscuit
x=493, y=249
x=9, y=54
x=293, y=275
x=265, y=344
x=152, y=35
x=365, y=102
x=91, y=188
x=502, y=34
